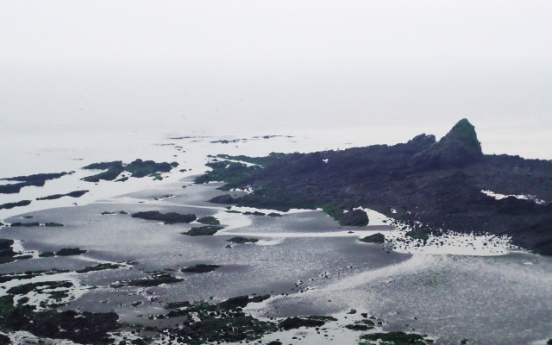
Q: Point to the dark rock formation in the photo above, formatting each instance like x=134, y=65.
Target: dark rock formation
x=240, y=239
x=209, y=220
x=438, y=185
x=167, y=218
x=354, y=218
x=297, y=322
x=70, y=251
x=458, y=148
x=376, y=238
x=223, y=199
x=138, y=168
x=6, y=251
x=75, y=194
x=31, y=180
x=11, y=205
x=207, y=230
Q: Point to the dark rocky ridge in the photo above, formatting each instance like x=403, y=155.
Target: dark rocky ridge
x=437, y=183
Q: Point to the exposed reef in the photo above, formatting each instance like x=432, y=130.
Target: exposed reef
x=209, y=220
x=345, y=217
x=6, y=251
x=226, y=171
x=208, y=230
x=155, y=279
x=167, y=218
x=240, y=239
x=430, y=186
x=137, y=168
x=70, y=251
x=37, y=180
x=11, y=205
x=99, y=267
x=75, y=194
x=83, y=328
x=376, y=238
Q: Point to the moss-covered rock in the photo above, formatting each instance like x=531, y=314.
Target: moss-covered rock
x=138, y=168
x=203, y=230
x=167, y=218
x=239, y=240
x=375, y=238
x=70, y=251
x=209, y=220
x=346, y=217
x=458, y=148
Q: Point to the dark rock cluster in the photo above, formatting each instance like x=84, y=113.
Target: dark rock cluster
x=436, y=184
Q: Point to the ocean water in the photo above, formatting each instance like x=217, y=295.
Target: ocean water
x=488, y=299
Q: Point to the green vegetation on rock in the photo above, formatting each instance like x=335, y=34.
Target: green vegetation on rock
x=209, y=220
x=138, y=168
x=375, y=238
x=26, y=288
x=203, y=230
x=167, y=218
x=419, y=234
x=229, y=172
x=262, y=161
x=239, y=239
x=348, y=217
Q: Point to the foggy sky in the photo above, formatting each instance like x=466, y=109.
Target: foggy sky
x=275, y=64
x=199, y=31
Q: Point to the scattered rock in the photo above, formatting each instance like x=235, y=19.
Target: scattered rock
x=167, y=218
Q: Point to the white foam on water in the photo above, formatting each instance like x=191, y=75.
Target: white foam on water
x=26, y=338
x=498, y=196
x=270, y=241
x=452, y=243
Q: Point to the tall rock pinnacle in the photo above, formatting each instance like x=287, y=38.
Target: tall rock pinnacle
x=458, y=148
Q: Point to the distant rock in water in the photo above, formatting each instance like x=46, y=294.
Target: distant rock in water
x=375, y=238
x=167, y=218
x=458, y=148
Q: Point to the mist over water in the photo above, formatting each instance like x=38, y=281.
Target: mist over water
x=366, y=102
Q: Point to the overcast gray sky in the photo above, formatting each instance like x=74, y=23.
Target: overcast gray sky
x=276, y=64
x=249, y=30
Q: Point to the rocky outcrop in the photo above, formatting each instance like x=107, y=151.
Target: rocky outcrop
x=437, y=184
x=167, y=218
x=458, y=148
